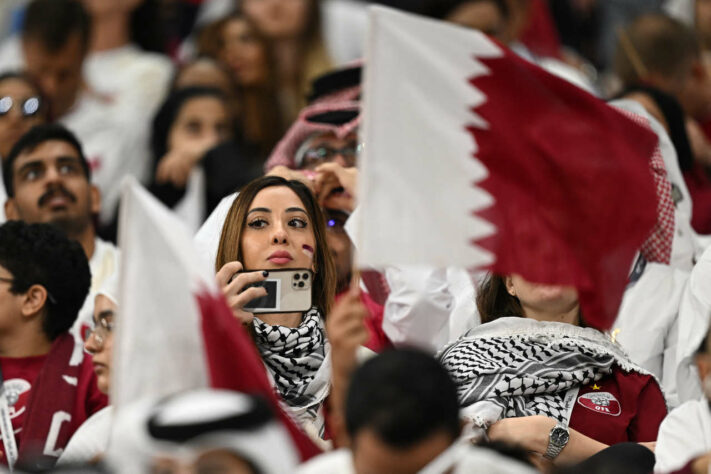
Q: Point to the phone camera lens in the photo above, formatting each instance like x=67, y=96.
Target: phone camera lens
x=301, y=284
x=296, y=276
x=305, y=276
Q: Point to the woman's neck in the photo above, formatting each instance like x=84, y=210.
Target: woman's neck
x=110, y=32
x=289, y=320
x=564, y=315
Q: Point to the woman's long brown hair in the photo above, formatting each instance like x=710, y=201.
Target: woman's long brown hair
x=230, y=249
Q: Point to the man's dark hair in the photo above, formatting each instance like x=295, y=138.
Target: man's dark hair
x=53, y=22
x=36, y=136
x=404, y=396
x=40, y=254
x=441, y=9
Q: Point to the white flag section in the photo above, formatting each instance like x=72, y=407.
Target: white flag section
x=158, y=345
x=417, y=104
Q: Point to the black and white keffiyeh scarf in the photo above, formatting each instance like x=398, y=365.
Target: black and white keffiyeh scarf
x=516, y=367
x=297, y=359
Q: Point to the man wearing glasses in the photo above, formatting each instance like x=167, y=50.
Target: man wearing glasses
x=47, y=179
x=48, y=386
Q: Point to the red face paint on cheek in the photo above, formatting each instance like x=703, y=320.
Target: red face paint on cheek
x=308, y=250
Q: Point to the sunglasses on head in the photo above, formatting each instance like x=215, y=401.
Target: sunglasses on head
x=28, y=107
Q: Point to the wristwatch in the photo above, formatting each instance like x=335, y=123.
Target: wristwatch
x=557, y=439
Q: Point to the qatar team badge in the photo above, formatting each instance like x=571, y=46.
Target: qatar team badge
x=601, y=402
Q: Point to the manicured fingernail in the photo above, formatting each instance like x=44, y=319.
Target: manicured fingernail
x=265, y=273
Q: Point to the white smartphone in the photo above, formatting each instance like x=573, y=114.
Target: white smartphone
x=288, y=291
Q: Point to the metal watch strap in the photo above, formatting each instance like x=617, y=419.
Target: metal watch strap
x=554, y=450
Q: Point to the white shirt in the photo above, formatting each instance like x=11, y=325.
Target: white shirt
x=112, y=144
x=459, y=458
x=647, y=324
x=694, y=314
x=429, y=307
x=90, y=440
x=683, y=435
x=103, y=264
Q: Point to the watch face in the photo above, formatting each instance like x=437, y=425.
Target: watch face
x=559, y=436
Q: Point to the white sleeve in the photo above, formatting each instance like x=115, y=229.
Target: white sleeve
x=694, y=314
x=422, y=309
x=647, y=323
x=683, y=435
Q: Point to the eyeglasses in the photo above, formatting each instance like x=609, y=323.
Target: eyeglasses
x=100, y=331
x=319, y=154
x=28, y=107
x=335, y=221
x=12, y=280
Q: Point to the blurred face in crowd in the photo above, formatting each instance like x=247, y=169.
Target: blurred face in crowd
x=703, y=22
x=278, y=232
x=20, y=110
x=340, y=246
x=327, y=148
x=279, y=19
x=59, y=74
x=243, y=53
x=100, y=342
x=204, y=72
x=554, y=299
x=51, y=187
x=202, y=122
x=373, y=456
x=479, y=15
x=102, y=8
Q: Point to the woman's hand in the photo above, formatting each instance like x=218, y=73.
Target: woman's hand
x=529, y=432
x=330, y=177
x=533, y=432
x=176, y=165
x=234, y=291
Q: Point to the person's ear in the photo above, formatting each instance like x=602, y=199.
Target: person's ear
x=508, y=281
x=34, y=300
x=95, y=196
x=11, y=210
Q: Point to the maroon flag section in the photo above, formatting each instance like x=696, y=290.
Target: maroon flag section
x=570, y=177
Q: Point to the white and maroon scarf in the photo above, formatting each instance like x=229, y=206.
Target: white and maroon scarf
x=51, y=404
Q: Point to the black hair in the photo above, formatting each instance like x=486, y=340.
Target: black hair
x=53, y=22
x=169, y=111
x=404, y=396
x=20, y=76
x=40, y=254
x=441, y=9
x=36, y=136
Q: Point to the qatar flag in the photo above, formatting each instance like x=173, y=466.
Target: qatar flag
x=475, y=157
x=174, y=331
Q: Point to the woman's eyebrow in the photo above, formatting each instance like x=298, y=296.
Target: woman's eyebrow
x=259, y=209
x=295, y=209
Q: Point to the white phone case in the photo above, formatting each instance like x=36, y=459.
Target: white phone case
x=288, y=291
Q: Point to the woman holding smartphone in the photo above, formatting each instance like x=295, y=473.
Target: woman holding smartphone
x=275, y=224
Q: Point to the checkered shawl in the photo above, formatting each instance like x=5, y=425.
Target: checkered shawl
x=516, y=367
x=297, y=359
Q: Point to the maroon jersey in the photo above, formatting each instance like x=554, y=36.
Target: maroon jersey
x=19, y=376
x=620, y=407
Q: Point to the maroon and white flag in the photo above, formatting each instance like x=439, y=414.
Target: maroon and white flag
x=174, y=331
x=475, y=157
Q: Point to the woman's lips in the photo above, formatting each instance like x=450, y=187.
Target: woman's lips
x=281, y=257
